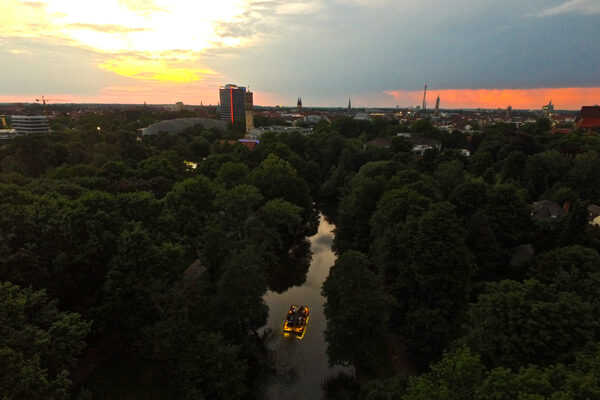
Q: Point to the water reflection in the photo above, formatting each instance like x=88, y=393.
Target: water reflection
x=300, y=366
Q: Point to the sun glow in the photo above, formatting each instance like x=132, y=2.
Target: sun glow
x=135, y=38
x=126, y=25
x=154, y=69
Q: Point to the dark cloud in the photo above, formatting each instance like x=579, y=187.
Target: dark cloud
x=39, y=67
x=347, y=48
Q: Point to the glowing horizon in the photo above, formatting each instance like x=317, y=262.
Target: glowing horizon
x=518, y=99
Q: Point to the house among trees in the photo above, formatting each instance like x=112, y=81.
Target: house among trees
x=589, y=118
x=546, y=210
x=422, y=144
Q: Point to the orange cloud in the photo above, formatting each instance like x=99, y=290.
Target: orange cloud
x=137, y=92
x=563, y=98
x=158, y=69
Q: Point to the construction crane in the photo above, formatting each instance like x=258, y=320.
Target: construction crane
x=44, y=101
x=424, y=97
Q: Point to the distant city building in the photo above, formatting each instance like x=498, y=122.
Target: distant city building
x=299, y=105
x=508, y=111
x=437, y=106
x=349, y=105
x=363, y=116
x=233, y=103
x=30, y=124
x=7, y=134
x=589, y=118
x=548, y=109
x=313, y=119
x=249, y=107
x=420, y=144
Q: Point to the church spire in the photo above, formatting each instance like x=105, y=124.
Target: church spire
x=349, y=105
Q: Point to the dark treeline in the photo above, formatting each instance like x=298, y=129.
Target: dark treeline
x=128, y=273
x=446, y=275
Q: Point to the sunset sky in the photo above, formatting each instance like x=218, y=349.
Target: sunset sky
x=471, y=53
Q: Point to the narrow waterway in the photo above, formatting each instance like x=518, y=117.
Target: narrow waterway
x=301, y=364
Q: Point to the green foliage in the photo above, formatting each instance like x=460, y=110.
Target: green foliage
x=283, y=217
x=461, y=375
x=509, y=214
x=200, y=148
x=513, y=166
x=425, y=128
x=139, y=272
x=442, y=264
x=448, y=175
x=237, y=207
x=515, y=324
x=456, y=377
x=383, y=389
x=573, y=269
x=212, y=369
x=231, y=174
x=401, y=145
x=480, y=162
x=583, y=176
x=277, y=179
x=38, y=344
x=190, y=202
x=468, y=197
x=355, y=212
x=355, y=311
x=433, y=282
x=108, y=225
x=544, y=170
x=238, y=307
x=394, y=207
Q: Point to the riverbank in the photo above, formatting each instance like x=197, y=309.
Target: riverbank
x=301, y=366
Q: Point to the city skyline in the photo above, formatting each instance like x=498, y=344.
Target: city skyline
x=379, y=53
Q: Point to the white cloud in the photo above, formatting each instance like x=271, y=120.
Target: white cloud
x=585, y=7
x=297, y=8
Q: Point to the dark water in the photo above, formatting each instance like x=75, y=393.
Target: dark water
x=301, y=364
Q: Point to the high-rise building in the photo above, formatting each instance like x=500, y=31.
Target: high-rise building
x=249, y=107
x=437, y=106
x=233, y=103
x=30, y=124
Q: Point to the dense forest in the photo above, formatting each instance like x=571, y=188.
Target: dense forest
x=137, y=266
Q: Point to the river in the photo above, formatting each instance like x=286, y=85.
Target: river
x=301, y=364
